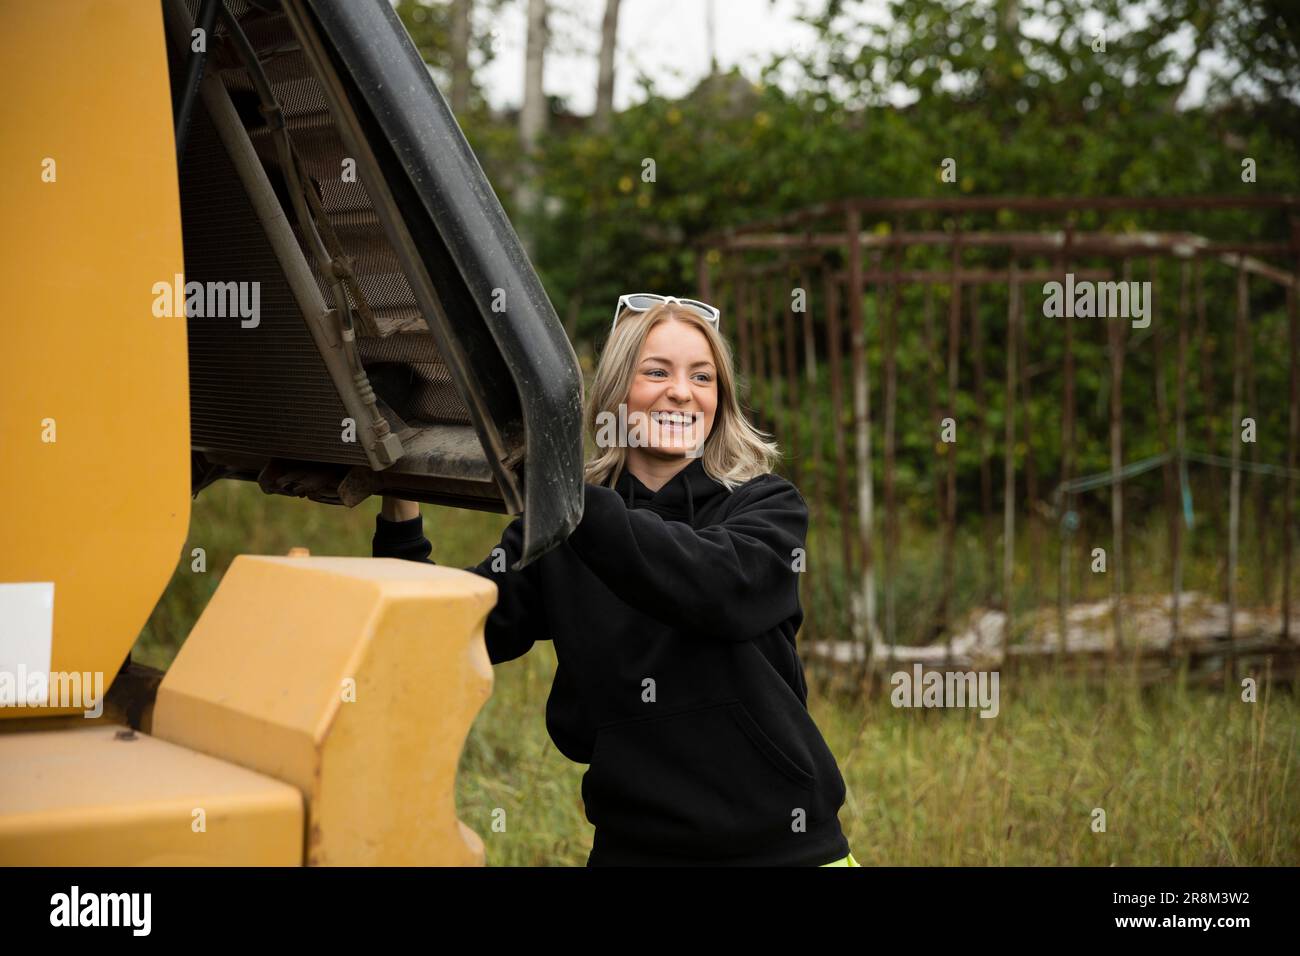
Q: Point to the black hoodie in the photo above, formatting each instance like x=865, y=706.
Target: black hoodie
x=674, y=616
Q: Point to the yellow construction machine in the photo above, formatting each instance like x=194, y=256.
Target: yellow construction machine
x=247, y=241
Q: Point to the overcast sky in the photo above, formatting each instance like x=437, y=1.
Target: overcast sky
x=663, y=38
x=667, y=40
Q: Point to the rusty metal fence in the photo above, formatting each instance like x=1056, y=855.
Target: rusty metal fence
x=831, y=293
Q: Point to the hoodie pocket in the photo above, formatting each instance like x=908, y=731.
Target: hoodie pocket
x=697, y=782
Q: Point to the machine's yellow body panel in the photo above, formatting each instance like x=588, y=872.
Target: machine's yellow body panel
x=89, y=798
x=354, y=679
x=92, y=220
x=318, y=710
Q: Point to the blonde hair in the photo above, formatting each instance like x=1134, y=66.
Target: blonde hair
x=734, y=451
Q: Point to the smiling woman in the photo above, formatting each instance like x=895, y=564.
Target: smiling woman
x=674, y=607
x=670, y=358
x=671, y=404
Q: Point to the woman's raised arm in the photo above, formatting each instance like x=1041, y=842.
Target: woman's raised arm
x=730, y=581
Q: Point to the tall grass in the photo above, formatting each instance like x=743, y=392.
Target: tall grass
x=1184, y=775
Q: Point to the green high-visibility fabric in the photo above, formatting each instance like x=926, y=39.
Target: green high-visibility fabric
x=846, y=861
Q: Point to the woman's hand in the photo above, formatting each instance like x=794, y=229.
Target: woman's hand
x=398, y=509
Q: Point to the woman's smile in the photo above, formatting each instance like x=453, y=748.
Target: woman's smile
x=676, y=423
x=675, y=387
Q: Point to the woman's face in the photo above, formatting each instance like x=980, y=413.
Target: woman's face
x=675, y=373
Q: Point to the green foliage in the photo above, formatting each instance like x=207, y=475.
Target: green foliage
x=430, y=24
x=1024, y=107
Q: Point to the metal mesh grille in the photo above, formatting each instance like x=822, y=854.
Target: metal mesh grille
x=262, y=390
x=404, y=336
x=346, y=204
x=433, y=396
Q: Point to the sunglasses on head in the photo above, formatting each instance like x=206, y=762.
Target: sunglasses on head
x=643, y=301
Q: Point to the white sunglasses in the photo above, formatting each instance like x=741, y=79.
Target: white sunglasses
x=642, y=301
